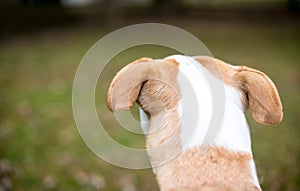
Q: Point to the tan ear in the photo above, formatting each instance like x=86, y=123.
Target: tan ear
x=263, y=98
x=126, y=85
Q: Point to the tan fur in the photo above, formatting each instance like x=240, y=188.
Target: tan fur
x=264, y=100
x=144, y=59
x=164, y=93
x=161, y=88
x=257, y=89
x=159, y=85
x=163, y=142
x=153, y=84
x=217, y=169
x=219, y=69
x=126, y=85
x=172, y=61
x=222, y=71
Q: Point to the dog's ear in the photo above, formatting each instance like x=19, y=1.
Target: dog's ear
x=263, y=98
x=126, y=85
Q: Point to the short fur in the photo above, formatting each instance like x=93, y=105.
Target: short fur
x=152, y=84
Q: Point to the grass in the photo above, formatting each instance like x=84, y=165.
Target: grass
x=38, y=134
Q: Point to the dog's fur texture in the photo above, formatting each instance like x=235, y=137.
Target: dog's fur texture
x=226, y=165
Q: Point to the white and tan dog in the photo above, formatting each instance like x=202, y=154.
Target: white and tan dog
x=156, y=86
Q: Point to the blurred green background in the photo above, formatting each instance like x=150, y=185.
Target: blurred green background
x=43, y=42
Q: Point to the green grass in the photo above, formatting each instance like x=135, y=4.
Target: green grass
x=38, y=135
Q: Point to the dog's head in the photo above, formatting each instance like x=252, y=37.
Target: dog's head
x=153, y=85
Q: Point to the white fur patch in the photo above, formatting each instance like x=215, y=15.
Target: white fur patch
x=234, y=134
x=144, y=120
x=254, y=174
x=196, y=101
x=196, y=108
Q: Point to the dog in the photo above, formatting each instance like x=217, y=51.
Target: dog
x=157, y=87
